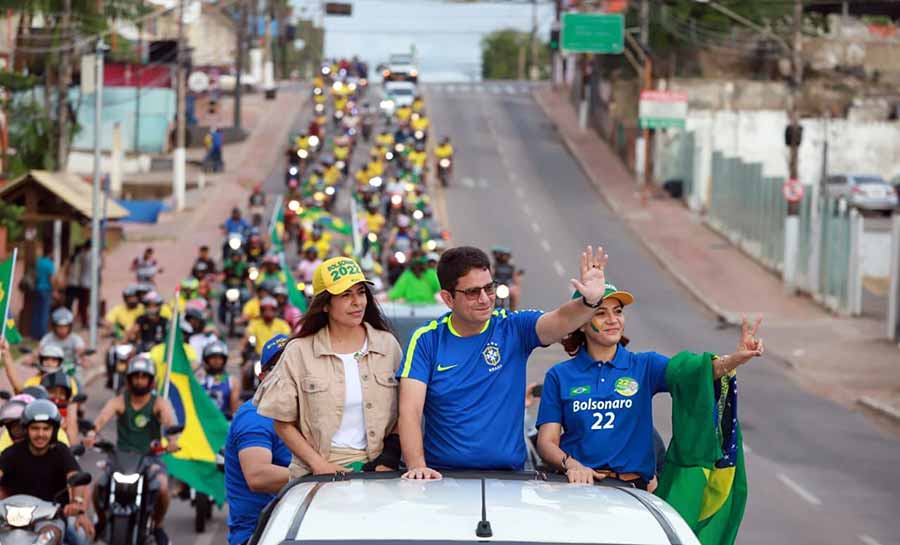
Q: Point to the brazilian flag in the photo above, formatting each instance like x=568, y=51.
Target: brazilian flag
x=704, y=477
x=295, y=295
x=277, y=232
x=7, y=269
x=205, y=427
x=327, y=220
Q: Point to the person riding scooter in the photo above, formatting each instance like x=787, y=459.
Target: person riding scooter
x=222, y=388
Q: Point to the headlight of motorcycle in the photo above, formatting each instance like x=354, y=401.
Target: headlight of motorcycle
x=234, y=243
x=409, y=187
x=293, y=171
x=126, y=479
x=444, y=163
x=375, y=181
x=386, y=104
x=318, y=196
x=253, y=273
x=352, y=87
x=232, y=295
x=389, y=156
x=431, y=245
x=252, y=339
x=339, y=114
x=19, y=516
x=294, y=206
x=399, y=148
x=396, y=200
x=400, y=257
x=329, y=190
x=313, y=141
x=373, y=238
x=302, y=153
x=340, y=165
x=417, y=215
x=419, y=135
x=320, y=107
x=502, y=291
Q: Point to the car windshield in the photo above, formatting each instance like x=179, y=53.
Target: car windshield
x=402, y=92
x=868, y=180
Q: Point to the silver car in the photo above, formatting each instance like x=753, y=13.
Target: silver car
x=466, y=508
x=867, y=192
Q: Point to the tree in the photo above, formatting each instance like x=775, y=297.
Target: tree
x=506, y=54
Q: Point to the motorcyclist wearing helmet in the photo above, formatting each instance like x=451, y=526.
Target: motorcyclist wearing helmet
x=418, y=157
x=141, y=417
x=250, y=311
x=270, y=271
x=289, y=313
x=61, y=322
x=49, y=360
x=204, y=259
x=320, y=239
x=146, y=267
x=257, y=204
x=256, y=459
x=308, y=264
x=418, y=104
x=122, y=316
x=505, y=272
x=59, y=388
x=223, y=389
x=40, y=466
x=235, y=223
x=255, y=248
x=150, y=328
x=201, y=332
x=266, y=326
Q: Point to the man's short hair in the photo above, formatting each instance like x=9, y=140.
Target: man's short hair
x=457, y=262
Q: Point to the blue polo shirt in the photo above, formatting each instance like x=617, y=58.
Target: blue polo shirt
x=474, y=409
x=606, y=409
x=248, y=429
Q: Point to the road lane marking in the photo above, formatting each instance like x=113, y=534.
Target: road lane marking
x=535, y=227
x=868, y=540
x=545, y=245
x=560, y=270
x=510, y=90
x=807, y=496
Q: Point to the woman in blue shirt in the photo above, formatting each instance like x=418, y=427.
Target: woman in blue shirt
x=595, y=419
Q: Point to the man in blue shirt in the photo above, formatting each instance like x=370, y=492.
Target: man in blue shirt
x=235, y=224
x=466, y=370
x=44, y=269
x=256, y=459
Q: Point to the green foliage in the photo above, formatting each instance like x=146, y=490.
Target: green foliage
x=10, y=217
x=758, y=11
x=31, y=136
x=500, y=52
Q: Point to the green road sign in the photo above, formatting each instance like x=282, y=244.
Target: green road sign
x=593, y=32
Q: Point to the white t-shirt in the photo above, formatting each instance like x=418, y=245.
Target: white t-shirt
x=352, y=433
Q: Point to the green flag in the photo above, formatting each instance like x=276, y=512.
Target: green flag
x=7, y=269
x=205, y=428
x=277, y=232
x=295, y=296
x=704, y=477
x=327, y=220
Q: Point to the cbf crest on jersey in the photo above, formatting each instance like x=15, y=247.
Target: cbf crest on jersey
x=491, y=354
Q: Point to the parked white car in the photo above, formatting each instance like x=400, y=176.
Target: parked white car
x=466, y=507
x=868, y=192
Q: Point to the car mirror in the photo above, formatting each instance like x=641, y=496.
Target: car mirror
x=79, y=479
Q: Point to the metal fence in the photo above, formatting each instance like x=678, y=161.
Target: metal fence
x=749, y=209
x=675, y=161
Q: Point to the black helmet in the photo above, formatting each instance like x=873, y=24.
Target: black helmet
x=42, y=410
x=58, y=379
x=62, y=316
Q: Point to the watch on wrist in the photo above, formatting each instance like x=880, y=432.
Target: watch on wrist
x=596, y=305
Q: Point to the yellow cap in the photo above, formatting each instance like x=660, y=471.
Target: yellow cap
x=337, y=275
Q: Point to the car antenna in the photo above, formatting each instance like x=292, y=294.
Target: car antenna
x=484, y=525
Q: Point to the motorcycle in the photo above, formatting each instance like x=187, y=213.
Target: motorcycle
x=249, y=363
x=292, y=176
x=231, y=304
x=234, y=244
x=27, y=520
x=203, y=504
x=443, y=170
x=127, y=492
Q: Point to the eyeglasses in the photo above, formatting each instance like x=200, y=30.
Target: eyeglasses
x=472, y=294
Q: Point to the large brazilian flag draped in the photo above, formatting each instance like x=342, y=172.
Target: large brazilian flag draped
x=277, y=232
x=10, y=333
x=205, y=428
x=704, y=477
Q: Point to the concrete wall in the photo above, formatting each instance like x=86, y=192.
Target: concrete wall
x=758, y=136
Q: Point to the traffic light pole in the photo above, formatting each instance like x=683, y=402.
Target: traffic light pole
x=792, y=220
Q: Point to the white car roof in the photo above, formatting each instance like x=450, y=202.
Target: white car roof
x=362, y=511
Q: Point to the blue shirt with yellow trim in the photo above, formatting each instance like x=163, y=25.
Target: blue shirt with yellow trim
x=474, y=409
x=606, y=408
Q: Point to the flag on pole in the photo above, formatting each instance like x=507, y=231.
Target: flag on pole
x=205, y=427
x=704, y=477
x=327, y=221
x=276, y=232
x=8, y=330
x=295, y=296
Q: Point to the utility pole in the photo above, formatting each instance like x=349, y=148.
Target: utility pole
x=179, y=160
x=793, y=133
x=62, y=86
x=268, y=65
x=239, y=63
x=645, y=23
x=137, y=87
x=534, y=70
x=96, y=242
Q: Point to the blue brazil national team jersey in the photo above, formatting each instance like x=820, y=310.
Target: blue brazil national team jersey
x=605, y=408
x=475, y=406
x=248, y=429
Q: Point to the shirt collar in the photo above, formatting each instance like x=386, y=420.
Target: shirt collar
x=619, y=361
x=376, y=342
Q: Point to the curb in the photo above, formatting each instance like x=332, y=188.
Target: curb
x=880, y=407
x=724, y=316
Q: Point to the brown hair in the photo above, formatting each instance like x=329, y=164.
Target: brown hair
x=316, y=318
x=573, y=342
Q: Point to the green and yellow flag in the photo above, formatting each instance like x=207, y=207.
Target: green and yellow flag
x=7, y=269
x=704, y=477
x=327, y=220
x=205, y=427
x=295, y=295
x=277, y=232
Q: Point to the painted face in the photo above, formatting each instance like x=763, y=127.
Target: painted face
x=473, y=298
x=349, y=307
x=608, y=324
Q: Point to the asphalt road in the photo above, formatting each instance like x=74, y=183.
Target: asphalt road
x=818, y=473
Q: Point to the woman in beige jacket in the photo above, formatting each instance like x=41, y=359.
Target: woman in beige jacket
x=333, y=396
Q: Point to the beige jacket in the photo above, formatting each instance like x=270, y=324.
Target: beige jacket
x=307, y=387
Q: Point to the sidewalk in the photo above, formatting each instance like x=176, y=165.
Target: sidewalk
x=845, y=359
